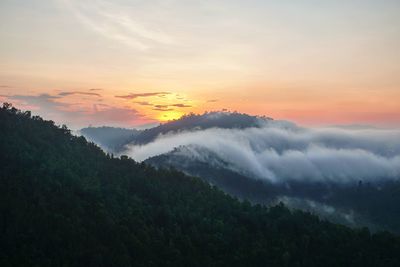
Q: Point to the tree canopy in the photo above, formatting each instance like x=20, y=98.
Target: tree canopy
x=64, y=202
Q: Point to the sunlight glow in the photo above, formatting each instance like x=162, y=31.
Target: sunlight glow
x=170, y=115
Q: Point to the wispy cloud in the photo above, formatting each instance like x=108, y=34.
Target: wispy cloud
x=110, y=21
x=4, y=98
x=167, y=107
x=77, y=115
x=137, y=95
x=181, y=105
x=111, y=116
x=42, y=101
x=163, y=109
x=78, y=93
x=161, y=106
x=144, y=103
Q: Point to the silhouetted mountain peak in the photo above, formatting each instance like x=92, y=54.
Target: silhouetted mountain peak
x=214, y=119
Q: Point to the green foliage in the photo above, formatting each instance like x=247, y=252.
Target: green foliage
x=63, y=202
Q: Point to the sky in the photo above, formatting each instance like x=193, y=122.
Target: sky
x=134, y=62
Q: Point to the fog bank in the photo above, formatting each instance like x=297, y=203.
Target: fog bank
x=280, y=152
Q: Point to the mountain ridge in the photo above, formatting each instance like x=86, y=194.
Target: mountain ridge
x=243, y=159
x=369, y=203
x=64, y=202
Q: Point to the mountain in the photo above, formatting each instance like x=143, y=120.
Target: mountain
x=357, y=204
x=111, y=139
x=214, y=171
x=193, y=122
x=349, y=176
x=64, y=202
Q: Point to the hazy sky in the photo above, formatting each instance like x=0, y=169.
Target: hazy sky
x=129, y=62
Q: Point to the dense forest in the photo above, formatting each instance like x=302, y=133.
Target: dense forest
x=64, y=202
x=376, y=205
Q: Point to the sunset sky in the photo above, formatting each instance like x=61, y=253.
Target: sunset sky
x=134, y=62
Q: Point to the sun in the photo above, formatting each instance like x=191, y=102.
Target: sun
x=170, y=115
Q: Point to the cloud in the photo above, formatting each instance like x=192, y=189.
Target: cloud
x=137, y=95
x=95, y=89
x=163, y=109
x=111, y=116
x=281, y=152
x=335, y=214
x=181, y=105
x=78, y=93
x=42, y=101
x=161, y=106
x=212, y=100
x=144, y=103
x=4, y=98
x=77, y=115
x=113, y=22
x=168, y=107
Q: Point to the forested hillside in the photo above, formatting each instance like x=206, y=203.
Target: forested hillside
x=356, y=204
x=64, y=202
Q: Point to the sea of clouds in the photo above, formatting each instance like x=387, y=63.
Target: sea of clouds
x=282, y=152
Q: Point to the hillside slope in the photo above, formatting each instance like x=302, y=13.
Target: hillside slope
x=376, y=205
x=63, y=202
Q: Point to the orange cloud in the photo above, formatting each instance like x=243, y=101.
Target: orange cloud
x=78, y=93
x=134, y=95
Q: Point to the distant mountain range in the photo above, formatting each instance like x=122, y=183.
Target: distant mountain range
x=347, y=176
x=113, y=139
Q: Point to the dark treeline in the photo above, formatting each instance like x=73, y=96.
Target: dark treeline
x=63, y=202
